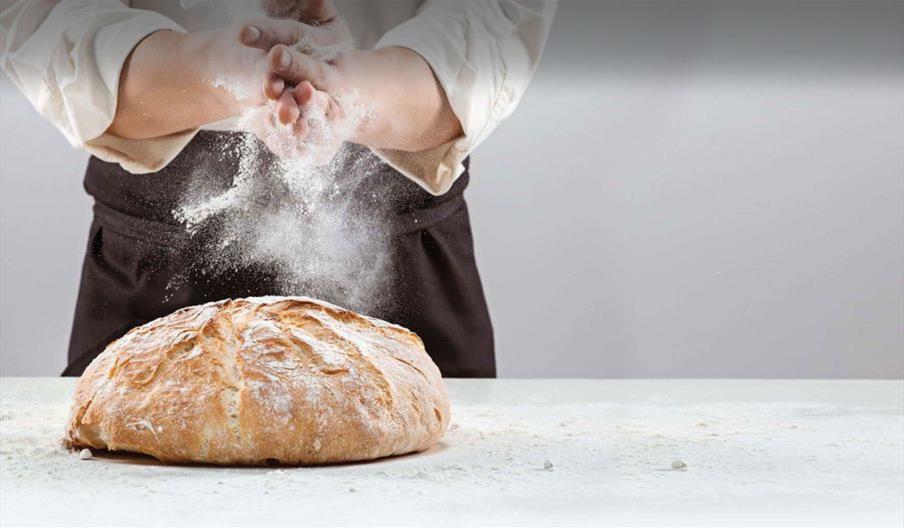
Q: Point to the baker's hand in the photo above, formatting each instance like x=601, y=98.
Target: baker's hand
x=305, y=120
x=313, y=128
x=300, y=121
x=312, y=24
x=209, y=76
x=331, y=29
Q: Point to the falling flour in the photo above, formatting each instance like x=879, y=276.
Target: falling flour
x=295, y=214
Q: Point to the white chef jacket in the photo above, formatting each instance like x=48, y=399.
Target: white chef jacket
x=66, y=57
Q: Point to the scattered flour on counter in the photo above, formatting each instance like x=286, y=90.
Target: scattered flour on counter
x=610, y=457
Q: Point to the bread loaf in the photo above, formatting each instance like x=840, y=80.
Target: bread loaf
x=252, y=381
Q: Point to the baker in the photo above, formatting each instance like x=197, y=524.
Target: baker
x=146, y=86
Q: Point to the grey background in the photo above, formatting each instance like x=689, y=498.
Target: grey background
x=689, y=189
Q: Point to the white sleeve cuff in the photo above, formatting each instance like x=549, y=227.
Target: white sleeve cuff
x=112, y=45
x=440, y=39
x=84, y=107
x=81, y=83
x=139, y=156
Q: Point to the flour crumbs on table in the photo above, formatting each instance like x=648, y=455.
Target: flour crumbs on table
x=818, y=461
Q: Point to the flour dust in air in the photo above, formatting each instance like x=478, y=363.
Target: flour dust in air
x=300, y=226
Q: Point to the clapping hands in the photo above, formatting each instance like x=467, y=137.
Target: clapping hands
x=297, y=84
x=309, y=108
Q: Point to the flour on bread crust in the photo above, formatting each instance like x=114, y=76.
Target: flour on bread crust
x=251, y=381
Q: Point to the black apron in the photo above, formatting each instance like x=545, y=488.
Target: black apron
x=141, y=263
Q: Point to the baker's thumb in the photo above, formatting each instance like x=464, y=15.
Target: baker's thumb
x=264, y=34
x=296, y=67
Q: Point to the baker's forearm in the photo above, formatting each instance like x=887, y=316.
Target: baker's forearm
x=410, y=109
x=166, y=87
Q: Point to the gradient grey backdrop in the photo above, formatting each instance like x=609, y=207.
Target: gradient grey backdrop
x=688, y=189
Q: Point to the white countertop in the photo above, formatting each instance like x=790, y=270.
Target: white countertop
x=757, y=452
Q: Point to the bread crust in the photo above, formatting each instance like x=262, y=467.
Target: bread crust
x=253, y=381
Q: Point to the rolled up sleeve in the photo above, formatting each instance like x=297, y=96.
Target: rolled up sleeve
x=66, y=57
x=484, y=54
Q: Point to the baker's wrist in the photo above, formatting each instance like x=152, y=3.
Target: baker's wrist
x=204, y=66
x=363, y=90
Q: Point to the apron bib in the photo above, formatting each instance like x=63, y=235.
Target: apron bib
x=141, y=264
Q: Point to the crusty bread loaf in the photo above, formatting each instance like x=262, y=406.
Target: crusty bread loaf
x=261, y=380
